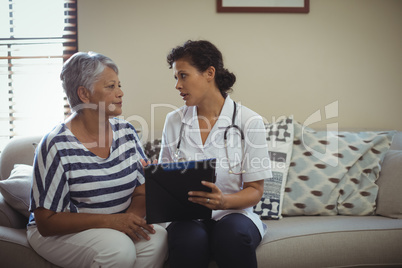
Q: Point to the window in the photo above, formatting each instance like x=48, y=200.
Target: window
x=36, y=37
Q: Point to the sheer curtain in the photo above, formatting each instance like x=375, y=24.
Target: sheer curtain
x=36, y=36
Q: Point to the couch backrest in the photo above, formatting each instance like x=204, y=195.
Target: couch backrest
x=20, y=150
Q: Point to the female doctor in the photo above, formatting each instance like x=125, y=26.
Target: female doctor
x=198, y=131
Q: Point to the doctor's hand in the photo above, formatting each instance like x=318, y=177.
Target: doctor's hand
x=214, y=200
x=249, y=196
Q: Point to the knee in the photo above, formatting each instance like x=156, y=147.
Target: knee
x=183, y=234
x=185, y=228
x=158, y=241
x=117, y=252
x=188, y=244
x=231, y=237
x=231, y=231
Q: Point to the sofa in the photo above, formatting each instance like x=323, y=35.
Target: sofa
x=295, y=238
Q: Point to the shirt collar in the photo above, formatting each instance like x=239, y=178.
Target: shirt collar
x=190, y=116
x=225, y=118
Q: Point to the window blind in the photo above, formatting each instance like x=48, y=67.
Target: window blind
x=36, y=37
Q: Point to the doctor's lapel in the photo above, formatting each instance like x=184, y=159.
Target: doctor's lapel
x=191, y=132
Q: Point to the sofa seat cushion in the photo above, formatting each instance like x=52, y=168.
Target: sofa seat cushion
x=331, y=241
x=309, y=225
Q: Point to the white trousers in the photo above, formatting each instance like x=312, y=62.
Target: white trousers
x=101, y=248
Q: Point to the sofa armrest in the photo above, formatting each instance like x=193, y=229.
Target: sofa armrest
x=19, y=150
x=9, y=217
x=15, y=251
x=16, y=236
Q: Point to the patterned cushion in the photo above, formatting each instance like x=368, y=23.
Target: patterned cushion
x=280, y=142
x=334, y=172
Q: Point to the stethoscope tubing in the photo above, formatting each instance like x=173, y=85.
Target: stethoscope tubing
x=233, y=125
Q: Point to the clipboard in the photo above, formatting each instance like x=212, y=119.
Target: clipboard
x=167, y=186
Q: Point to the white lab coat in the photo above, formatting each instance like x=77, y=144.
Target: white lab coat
x=256, y=163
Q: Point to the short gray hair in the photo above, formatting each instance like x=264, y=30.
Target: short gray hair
x=83, y=69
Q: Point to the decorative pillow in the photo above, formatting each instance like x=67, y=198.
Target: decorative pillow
x=16, y=190
x=152, y=149
x=334, y=172
x=389, y=199
x=280, y=142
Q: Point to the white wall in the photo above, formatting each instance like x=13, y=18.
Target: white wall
x=349, y=51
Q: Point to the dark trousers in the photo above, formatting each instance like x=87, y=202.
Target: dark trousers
x=231, y=242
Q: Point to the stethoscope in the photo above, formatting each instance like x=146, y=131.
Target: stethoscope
x=233, y=125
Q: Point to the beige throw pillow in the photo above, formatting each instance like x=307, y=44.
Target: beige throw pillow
x=16, y=189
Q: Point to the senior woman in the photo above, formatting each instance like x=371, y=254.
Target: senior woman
x=88, y=196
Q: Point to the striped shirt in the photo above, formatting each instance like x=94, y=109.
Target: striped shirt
x=70, y=178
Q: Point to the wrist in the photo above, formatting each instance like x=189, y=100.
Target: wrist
x=107, y=221
x=224, y=203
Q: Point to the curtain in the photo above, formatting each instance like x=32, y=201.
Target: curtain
x=36, y=37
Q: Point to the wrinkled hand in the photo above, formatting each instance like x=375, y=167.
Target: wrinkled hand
x=132, y=225
x=214, y=200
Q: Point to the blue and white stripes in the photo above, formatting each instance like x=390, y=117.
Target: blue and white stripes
x=69, y=177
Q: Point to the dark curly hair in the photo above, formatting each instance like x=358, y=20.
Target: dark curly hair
x=203, y=54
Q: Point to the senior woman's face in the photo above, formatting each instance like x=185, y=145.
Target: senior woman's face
x=108, y=94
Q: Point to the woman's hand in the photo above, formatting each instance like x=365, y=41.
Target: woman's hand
x=50, y=223
x=132, y=225
x=214, y=200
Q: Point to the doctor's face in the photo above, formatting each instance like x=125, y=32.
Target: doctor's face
x=191, y=83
